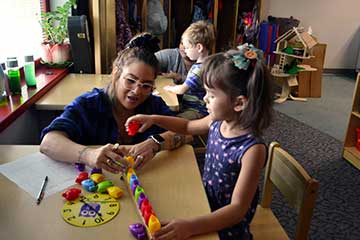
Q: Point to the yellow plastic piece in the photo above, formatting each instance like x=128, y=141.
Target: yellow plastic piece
x=154, y=224
x=115, y=191
x=97, y=177
x=130, y=160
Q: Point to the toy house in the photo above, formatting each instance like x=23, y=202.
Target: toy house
x=293, y=47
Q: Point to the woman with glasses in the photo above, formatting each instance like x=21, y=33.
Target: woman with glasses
x=98, y=117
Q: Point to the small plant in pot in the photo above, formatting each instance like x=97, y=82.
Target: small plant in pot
x=56, y=47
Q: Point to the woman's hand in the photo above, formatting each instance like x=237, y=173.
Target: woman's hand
x=143, y=152
x=145, y=121
x=109, y=157
x=174, y=230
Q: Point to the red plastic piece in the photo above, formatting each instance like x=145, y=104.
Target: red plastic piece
x=358, y=139
x=147, y=214
x=133, y=128
x=145, y=205
x=71, y=194
x=81, y=177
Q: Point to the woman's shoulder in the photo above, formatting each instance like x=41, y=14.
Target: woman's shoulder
x=96, y=98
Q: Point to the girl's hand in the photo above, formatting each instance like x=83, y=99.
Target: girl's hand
x=145, y=121
x=177, y=229
x=143, y=152
x=109, y=157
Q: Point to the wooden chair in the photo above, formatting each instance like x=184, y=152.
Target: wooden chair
x=298, y=188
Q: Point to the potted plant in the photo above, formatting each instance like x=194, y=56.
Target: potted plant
x=56, y=47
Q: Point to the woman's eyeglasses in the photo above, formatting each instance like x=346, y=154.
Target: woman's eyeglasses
x=131, y=84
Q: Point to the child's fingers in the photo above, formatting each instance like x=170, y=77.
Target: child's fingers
x=163, y=233
x=143, y=127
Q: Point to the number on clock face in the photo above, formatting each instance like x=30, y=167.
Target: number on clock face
x=90, y=210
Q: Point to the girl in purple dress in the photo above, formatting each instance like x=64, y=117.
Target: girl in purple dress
x=239, y=101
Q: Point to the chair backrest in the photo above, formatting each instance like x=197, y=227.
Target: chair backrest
x=295, y=184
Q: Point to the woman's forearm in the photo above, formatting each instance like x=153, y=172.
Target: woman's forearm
x=58, y=146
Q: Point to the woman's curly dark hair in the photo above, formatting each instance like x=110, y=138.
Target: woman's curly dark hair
x=140, y=48
x=144, y=40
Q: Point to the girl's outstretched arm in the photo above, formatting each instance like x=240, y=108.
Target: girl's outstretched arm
x=245, y=188
x=175, y=124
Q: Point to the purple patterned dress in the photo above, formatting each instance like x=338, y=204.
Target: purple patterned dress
x=222, y=168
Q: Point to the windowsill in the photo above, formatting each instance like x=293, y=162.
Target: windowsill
x=13, y=106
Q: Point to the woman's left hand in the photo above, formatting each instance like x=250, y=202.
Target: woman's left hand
x=143, y=152
x=177, y=229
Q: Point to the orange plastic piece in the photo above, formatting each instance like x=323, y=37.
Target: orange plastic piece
x=115, y=191
x=97, y=177
x=130, y=160
x=154, y=224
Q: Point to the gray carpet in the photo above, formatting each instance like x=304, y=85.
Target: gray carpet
x=337, y=211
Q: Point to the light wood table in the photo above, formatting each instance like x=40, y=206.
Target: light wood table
x=171, y=180
x=74, y=85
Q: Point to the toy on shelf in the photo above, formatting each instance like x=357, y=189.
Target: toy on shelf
x=144, y=208
x=292, y=47
x=358, y=139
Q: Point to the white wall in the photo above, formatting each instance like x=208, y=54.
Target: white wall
x=55, y=3
x=334, y=22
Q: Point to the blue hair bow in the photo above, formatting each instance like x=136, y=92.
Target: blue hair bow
x=247, y=53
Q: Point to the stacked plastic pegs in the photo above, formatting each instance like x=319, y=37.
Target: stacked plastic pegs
x=141, y=200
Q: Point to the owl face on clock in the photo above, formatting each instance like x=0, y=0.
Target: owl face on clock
x=89, y=210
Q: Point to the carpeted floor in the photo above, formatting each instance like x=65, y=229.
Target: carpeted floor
x=337, y=211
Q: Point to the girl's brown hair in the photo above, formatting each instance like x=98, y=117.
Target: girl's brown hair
x=255, y=83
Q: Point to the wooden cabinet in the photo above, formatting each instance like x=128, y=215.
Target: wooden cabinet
x=350, y=152
x=310, y=82
x=224, y=18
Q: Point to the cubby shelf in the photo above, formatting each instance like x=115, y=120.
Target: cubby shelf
x=350, y=152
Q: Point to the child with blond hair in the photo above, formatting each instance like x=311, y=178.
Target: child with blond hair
x=198, y=40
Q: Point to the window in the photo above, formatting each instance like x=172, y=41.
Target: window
x=20, y=29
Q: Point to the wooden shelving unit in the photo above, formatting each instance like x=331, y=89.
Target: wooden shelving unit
x=350, y=152
x=225, y=20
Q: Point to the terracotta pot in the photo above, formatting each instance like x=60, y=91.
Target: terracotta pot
x=55, y=53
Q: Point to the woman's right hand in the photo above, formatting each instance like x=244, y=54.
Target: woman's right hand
x=146, y=121
x=109, y=157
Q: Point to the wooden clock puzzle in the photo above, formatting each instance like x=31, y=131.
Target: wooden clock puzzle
x=90, y=210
